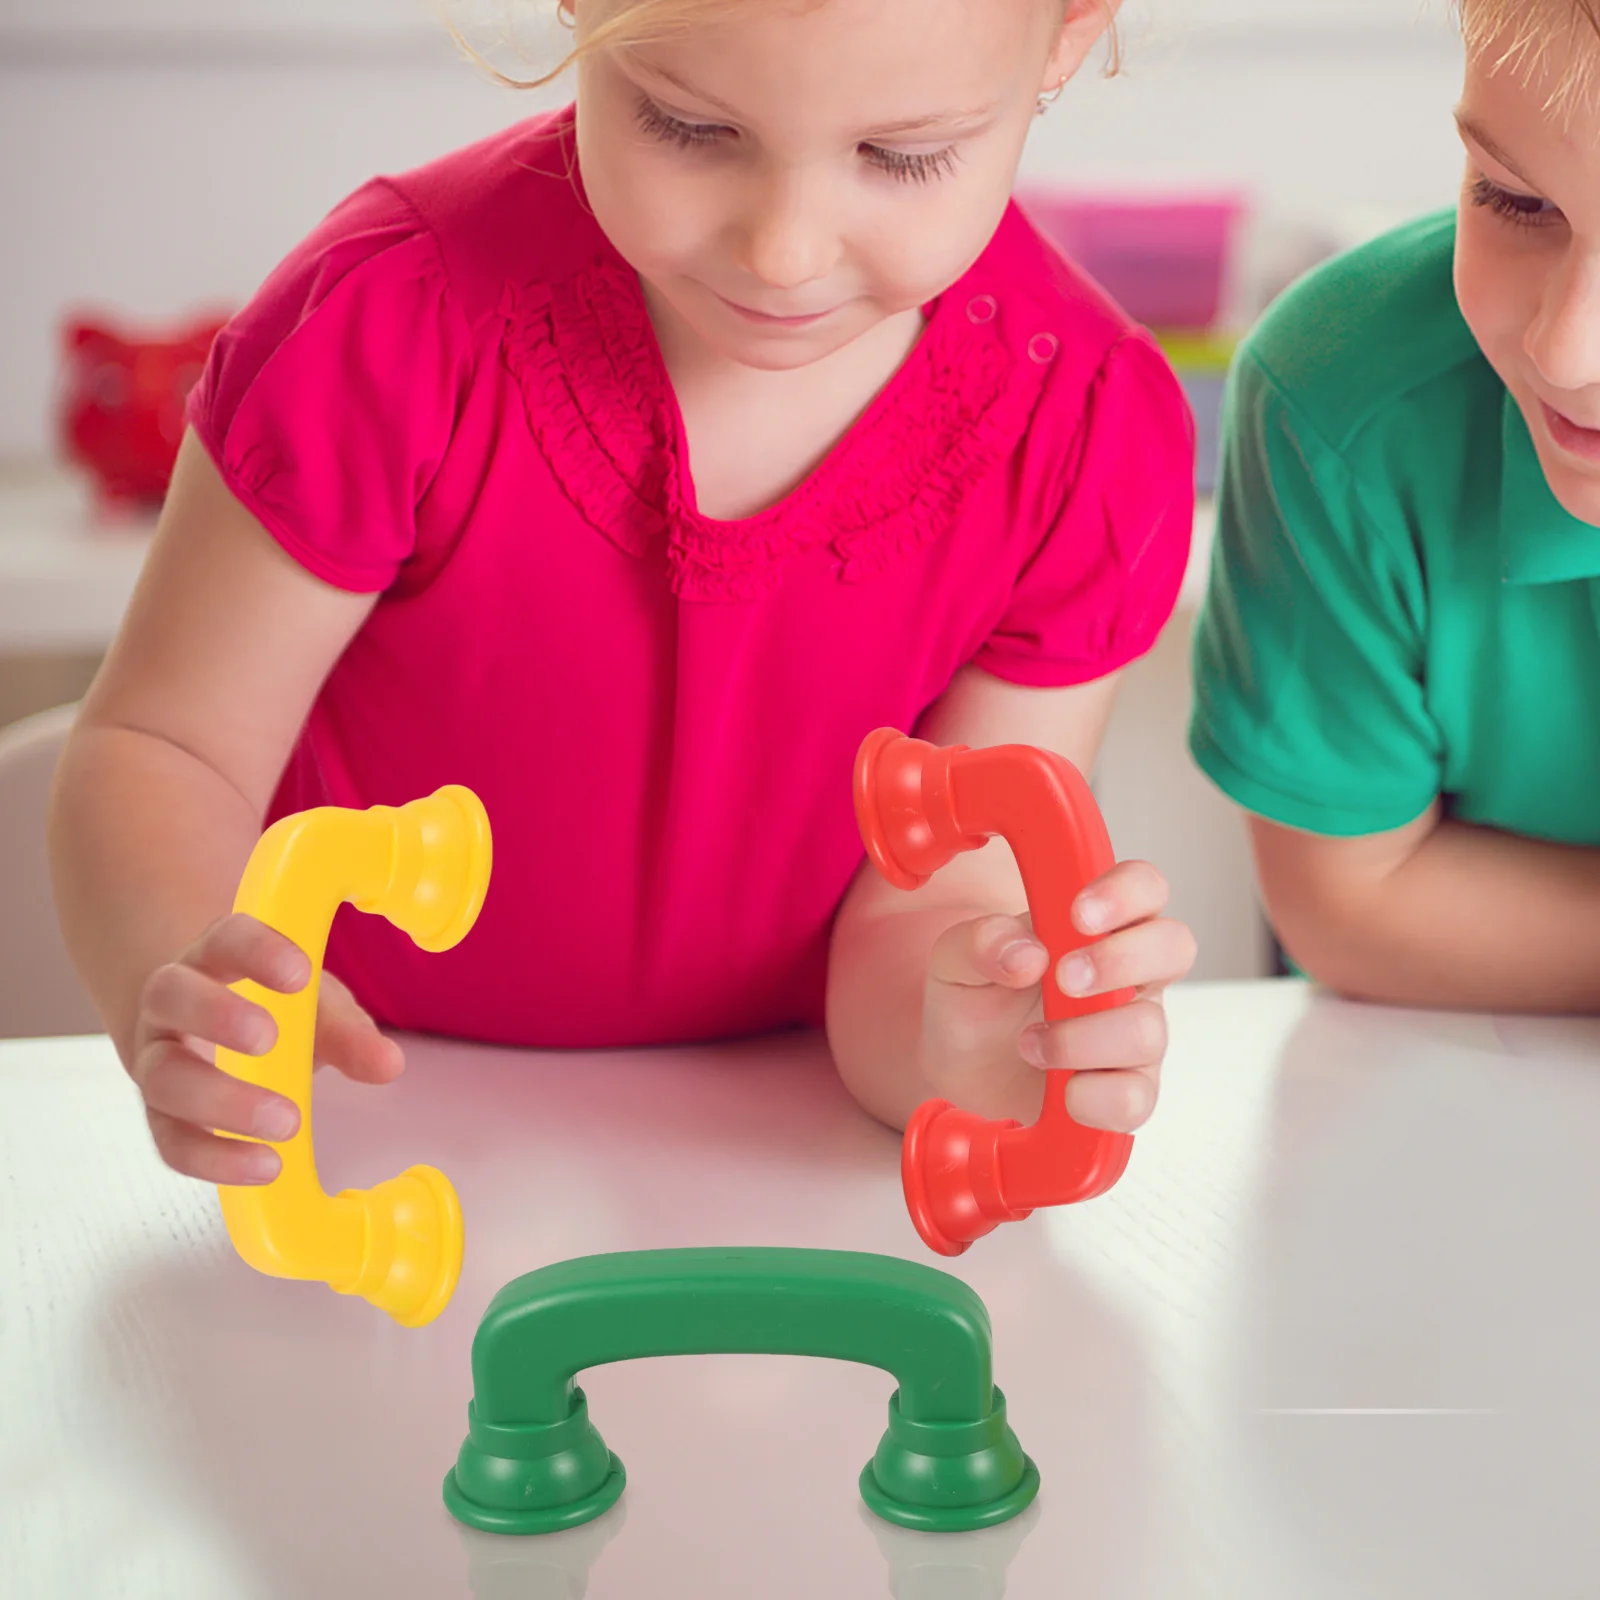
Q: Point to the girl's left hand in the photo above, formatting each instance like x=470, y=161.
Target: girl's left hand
x=1116, y=1055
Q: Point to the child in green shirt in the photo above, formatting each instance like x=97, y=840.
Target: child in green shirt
x=1398, y=666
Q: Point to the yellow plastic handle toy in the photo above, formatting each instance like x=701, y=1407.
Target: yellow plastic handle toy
x=424, y=866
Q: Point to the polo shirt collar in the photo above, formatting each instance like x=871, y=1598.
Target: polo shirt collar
x=1540, y=540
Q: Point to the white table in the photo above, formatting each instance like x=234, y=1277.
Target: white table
x=1335, y=1334
x=66, y=571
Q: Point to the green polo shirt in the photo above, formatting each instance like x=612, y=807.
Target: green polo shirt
x=1399, y=608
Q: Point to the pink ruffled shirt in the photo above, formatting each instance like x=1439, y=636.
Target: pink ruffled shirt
x=451, y=395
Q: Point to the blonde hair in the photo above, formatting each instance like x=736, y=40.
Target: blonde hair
x=644, y=22
x=1530, y=35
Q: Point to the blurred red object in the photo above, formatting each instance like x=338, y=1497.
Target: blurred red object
x=122, y=403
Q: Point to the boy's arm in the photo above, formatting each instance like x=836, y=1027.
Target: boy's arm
x=913, y=1008
x=1438, y=913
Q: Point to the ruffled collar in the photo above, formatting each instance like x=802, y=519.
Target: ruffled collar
x=601, y=405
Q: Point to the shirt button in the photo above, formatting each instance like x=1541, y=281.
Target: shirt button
x=981, y=308
x=1042, y=347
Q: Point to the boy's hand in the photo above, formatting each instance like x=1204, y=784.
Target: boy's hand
x=984, y=1042
x=187, y=1010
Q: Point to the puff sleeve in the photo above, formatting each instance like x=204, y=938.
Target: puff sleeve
x=1104, y=579
x=328, y=403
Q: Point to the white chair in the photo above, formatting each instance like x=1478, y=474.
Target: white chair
x=40, y=995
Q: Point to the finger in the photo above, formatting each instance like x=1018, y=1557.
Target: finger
x=180, y=1001
x=1132, y=891
x=199, y=1154
x=1119, y=1102
x=350, y=1041
x=1150, y=954
x=988, y=950
x=177, y=1084
x=240, y=947
x=1127, y=1037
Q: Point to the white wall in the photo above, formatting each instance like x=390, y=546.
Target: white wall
x=159, y=153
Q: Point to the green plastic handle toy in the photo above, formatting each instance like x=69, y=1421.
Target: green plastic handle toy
x=534, y=1463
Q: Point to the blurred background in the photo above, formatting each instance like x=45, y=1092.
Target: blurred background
x=157, y=157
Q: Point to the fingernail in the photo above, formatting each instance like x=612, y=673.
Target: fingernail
x=259, y=1033
x=293, y=972
x=261, y=1165
x=1145, y=1102
x=1018, y=957
x=277, y=1120
x=1077, y=975
x=1032, y=1047
x=1093, y=913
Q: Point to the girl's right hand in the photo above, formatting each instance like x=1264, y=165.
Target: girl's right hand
x=187, y=1010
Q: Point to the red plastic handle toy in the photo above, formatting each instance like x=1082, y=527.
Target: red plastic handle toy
x=920, y=805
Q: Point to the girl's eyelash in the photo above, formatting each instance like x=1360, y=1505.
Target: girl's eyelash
x=1520, y=210
x=672, y=130
x=919, y=168
x=899, y=165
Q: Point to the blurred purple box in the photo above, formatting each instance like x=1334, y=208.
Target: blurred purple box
x=1163, y=260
